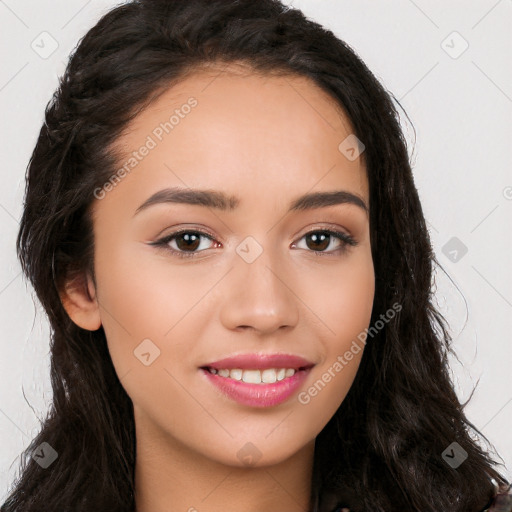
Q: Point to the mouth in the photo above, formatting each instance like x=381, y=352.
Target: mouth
x=258, y=380
x=256, y=375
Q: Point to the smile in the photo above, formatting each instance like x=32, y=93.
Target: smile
x=267, y=376
x=257, y=388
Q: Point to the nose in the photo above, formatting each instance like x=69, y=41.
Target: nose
x=259, y=295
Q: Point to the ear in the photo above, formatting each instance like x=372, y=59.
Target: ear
x=79, y=300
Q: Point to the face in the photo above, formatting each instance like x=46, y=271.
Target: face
x=252, y=272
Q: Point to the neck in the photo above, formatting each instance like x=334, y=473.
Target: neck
x=169, y=477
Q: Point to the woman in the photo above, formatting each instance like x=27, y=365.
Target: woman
x=222, y=225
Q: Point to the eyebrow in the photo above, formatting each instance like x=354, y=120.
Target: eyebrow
x=224, y=202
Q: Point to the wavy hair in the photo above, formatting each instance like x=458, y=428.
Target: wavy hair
x=381, y=451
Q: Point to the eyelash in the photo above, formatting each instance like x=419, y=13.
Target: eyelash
x=346, y=240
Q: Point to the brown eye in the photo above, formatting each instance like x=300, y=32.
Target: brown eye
x=320, y=240
x=184, y=243
x=187, y=241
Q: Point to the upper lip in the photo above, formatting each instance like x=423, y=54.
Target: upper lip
x=260, y=361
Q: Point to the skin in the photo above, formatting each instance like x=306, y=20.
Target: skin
x=266, y=140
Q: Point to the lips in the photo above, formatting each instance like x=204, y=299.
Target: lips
x=260, y=362
x=261, y=394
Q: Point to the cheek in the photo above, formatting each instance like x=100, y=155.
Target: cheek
x=132, y=303
x=146, y=298
x=351, y=301
x=350, y=307
x=344, y=304
x=342, y=298
x=134, y=289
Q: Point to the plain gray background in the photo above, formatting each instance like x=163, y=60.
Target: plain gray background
x=448, y=63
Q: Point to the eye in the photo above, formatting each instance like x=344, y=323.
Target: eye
x=320, y=240
x=186, y=242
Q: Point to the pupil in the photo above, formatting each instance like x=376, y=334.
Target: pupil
x=323, y=238
x=190, y=240
x=320, y=241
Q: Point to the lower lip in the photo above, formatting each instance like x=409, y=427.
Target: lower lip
x=258, y=395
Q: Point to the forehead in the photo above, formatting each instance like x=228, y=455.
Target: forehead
x=231, y=128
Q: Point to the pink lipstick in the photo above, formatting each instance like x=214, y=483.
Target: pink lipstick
x=258, y=380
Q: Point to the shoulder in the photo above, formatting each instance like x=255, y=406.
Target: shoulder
x=502, y=502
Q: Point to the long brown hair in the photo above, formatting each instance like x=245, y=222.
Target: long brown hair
x=382, y=449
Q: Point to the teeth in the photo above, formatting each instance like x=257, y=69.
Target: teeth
x=250, y=376
x=267, y=376
x=235, y=374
